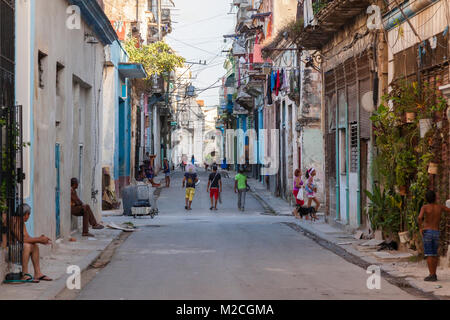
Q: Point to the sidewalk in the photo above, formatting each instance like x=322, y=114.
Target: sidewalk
x=82, y=253
x=397, y=265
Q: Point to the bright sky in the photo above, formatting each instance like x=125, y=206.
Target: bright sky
x=198, y=35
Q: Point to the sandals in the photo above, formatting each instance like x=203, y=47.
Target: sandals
x=45, y=278
x=28, y=279
x=88, y=235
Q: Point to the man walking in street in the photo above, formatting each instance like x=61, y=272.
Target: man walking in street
x=78, y=209
x=240, y=187
x=214, y=187
x=429, y=222
x=190, y=180
x=167, y=172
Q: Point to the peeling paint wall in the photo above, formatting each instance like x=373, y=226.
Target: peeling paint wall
x=311, y=136
x=66, y=110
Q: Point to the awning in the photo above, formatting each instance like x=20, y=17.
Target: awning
x=132, y=70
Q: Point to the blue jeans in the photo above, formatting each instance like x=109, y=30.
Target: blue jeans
x=241, y=198
x=431, y=243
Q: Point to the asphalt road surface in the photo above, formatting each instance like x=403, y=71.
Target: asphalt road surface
x=226, y=254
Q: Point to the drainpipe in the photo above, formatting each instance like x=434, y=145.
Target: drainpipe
x=338, y=184
x=347, y=157
x=358, y=188
x=404, y=11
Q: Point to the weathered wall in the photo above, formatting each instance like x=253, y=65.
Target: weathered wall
x=124, y=11
x=313, y=157
x=77, y=108
x=284, y=11
x=310, y=114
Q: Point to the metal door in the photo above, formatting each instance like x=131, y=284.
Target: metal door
x=58, y=190
x=11, y=160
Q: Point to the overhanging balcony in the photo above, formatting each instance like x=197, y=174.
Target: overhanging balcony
x=328, y=19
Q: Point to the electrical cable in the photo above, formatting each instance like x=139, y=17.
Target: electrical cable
x=189, y=45
x=200, y=21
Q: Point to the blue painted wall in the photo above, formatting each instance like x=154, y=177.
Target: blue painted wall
x=29, y=200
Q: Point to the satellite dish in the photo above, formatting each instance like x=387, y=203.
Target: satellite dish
x=367, y=102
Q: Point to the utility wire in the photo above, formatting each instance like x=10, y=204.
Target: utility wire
x=189, y=45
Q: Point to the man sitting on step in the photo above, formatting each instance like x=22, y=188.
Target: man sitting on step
x=79, y=209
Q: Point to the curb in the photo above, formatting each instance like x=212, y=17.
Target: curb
x=263, y=202
x=355, y=257
x=60, y=284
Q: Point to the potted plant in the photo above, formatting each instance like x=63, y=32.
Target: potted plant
x=410, y=117
x=425, y=125
x=433, y=168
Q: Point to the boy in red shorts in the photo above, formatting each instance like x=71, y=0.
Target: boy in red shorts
x=214, y=187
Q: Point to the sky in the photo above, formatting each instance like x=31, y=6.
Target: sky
x=198, y=29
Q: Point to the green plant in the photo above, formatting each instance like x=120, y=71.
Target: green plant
x=319, y=5
x=402, y=156
x=384, y=210
x=405, y=166
x=156, y=57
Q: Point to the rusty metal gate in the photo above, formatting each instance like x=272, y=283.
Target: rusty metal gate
x=11, y=173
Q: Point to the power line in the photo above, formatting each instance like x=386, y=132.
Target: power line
x=189, y=45
x=200, y=21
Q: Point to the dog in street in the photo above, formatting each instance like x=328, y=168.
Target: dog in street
x=307, y=212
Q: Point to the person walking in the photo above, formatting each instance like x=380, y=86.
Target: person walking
x=240, y=187
x=311, y=190
x=298, y=185
x=193, y=160
x=214, y=187
x=190, y=181
x=429, y=226
x=166, y=168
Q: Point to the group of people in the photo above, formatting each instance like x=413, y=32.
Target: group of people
x=214, y=187
x=30, y=244
x=147, y=172
x=429, y=218
x=311, y=190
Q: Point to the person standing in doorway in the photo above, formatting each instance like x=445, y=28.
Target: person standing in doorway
x=311, y=190
x=166, y=168
x=193, y=160
x=190, y=180
x=429, y=226
x=214, y=187
x=240, y=187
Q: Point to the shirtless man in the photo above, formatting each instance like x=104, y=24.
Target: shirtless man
x=79, y=209
x=429, y=221
x=30, y=248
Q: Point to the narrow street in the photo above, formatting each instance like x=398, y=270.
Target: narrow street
x=226, y=254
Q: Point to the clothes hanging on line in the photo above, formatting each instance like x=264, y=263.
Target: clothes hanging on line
x=269, y=89
x=273, y=80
